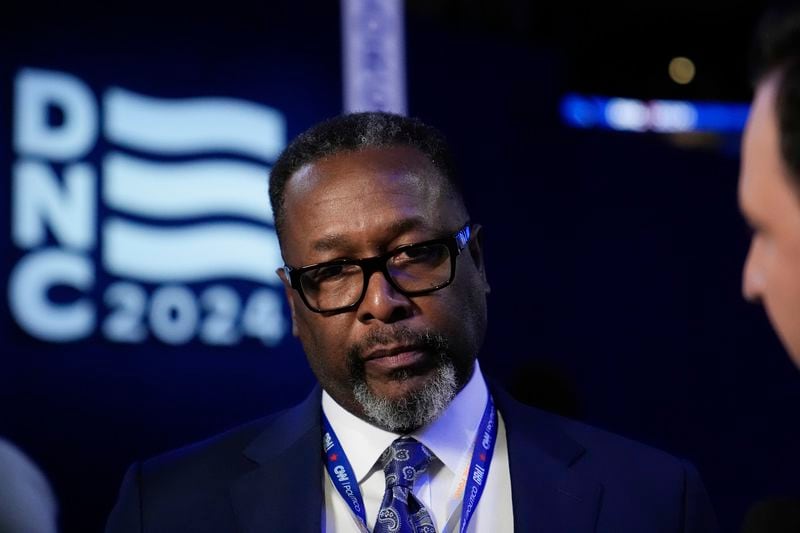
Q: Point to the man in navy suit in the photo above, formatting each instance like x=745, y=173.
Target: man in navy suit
x=385, y=279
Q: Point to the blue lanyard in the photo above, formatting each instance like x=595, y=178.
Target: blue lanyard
x=345, y=481
x=341, y=473
x=482, y=453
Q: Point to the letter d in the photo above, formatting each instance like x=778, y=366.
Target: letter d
x=34, y=91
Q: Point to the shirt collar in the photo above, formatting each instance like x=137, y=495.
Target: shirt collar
x=449, y=437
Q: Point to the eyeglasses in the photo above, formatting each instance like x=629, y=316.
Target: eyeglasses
x=412, y=269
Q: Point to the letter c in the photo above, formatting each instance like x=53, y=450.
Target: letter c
x=27, y=295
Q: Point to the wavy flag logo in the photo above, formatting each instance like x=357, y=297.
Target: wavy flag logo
x=141, y=217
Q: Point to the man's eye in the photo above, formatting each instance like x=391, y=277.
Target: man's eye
x=420, y=254
x=326, y=273
x=332, y=273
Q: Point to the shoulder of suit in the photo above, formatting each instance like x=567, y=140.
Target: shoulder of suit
x=600, y=445
x=218, y=456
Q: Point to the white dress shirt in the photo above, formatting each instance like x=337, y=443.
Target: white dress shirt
x=450, y=437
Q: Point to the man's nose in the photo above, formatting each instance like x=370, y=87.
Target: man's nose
x=752, y=274
x=383, y=302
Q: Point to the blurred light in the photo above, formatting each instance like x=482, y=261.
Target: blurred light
x=681, y=70
x=581, y=112
x=671, y=116
x=627, y=114
x=661, y=116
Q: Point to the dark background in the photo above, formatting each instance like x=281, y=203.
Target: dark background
x=614, y=258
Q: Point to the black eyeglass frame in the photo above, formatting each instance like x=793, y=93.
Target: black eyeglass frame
x=380, y=263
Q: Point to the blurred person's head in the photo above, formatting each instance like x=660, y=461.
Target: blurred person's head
x=769, y=183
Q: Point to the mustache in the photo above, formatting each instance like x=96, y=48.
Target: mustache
x=432, y=342
x=426, y=340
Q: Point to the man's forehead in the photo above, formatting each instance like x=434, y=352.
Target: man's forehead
x=365, y=181
x=760, y=144
x=766, y=191
x=334, y=240
x=365, y=164
x=366, y=198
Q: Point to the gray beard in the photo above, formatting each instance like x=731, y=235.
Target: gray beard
x=415, y=410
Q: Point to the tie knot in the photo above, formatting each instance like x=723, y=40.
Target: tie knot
x=404, y=461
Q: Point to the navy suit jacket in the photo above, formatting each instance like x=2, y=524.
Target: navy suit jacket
x=267, y=476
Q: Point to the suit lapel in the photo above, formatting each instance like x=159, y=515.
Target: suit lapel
x=547, y=494
x=284, y=491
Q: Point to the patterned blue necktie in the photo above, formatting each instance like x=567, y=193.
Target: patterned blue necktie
x=401, y=511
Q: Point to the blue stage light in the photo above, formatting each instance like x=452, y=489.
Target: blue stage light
x=661, y=116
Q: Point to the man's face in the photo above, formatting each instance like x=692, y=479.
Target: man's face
x=361, y=204
x=772, y=207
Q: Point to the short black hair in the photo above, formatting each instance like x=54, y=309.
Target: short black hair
x=776, y=51
x=354, y=132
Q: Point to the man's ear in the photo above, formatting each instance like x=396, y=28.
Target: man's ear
x=476, y=252
x=289, y=292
